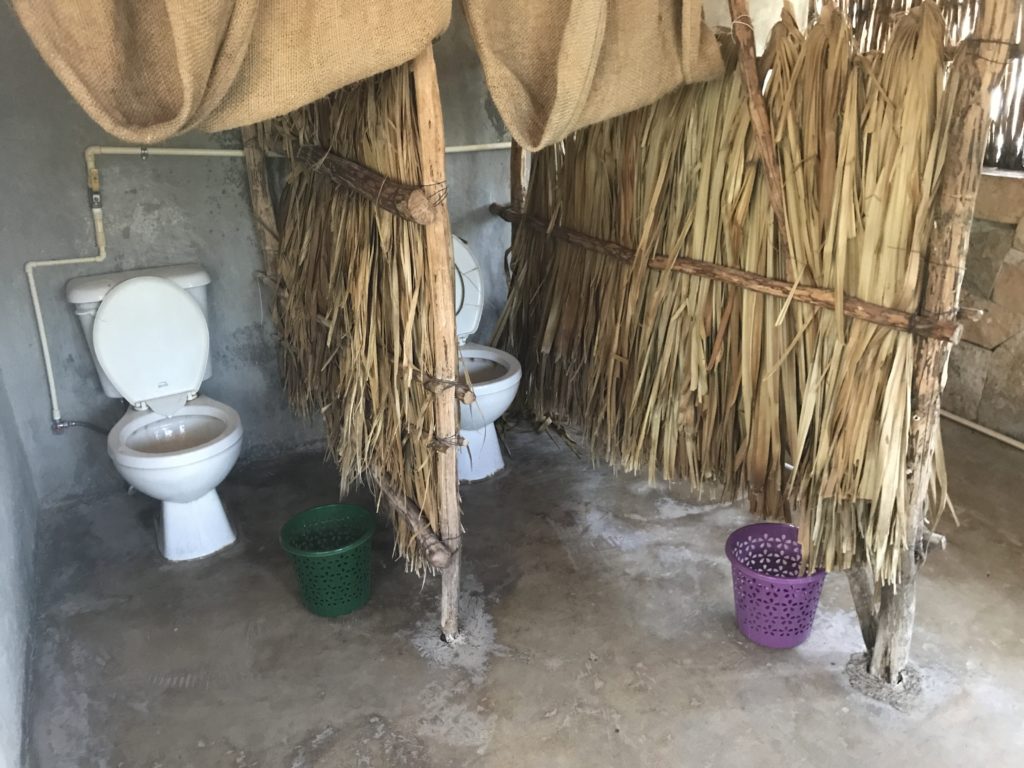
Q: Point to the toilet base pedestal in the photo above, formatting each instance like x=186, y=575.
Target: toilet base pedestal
x=480, y=457
x=193, y=529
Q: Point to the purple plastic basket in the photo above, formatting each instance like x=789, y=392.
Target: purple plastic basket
x=775, y=605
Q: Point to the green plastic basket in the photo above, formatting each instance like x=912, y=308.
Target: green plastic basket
x=330, y=547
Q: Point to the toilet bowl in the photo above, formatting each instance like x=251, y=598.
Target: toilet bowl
x=150, y=341
x=180, y=460
x=493, y=375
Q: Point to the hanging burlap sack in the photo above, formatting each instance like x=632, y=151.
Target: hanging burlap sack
x=146, y=70
x=553, y=66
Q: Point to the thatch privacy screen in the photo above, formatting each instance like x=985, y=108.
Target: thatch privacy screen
x=765, y=296
x=352, y=308
x=364, y=299
x=682, y=376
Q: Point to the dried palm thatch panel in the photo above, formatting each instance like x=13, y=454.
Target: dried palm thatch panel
x=681, y=376
x=352, y=308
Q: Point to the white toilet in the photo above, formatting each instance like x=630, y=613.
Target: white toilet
x=493, y=374
x=148, y=336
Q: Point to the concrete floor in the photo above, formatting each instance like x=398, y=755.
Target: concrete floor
x=599, y=632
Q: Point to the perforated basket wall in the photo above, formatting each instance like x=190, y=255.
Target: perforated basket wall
x=775, y=604
x=330, y=548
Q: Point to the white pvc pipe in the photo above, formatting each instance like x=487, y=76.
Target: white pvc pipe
x=144, y=152
x=101, y=240
x=92, y=174
x=463, y=148
x=92, y=152
x=1005, y=439
x=30, y=267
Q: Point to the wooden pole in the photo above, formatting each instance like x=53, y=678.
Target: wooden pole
x=409, y=202
x=517, y=186
x=516, y=178
x=760, y=122
x=433, y=551
x=445, y=345
x=259, y=198
x=862, y=589
x=944, y=329
x=977, y=65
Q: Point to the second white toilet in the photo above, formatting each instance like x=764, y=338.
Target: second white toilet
x=493, y=374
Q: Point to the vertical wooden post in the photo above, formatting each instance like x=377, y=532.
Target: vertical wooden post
x=442, y=299
x=516, y=178
x=862, y=588
x=259, y=198
x=978, y=64
x=517, y=190
x=760, y=121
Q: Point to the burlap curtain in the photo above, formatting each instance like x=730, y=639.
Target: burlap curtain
x=146, y=70
x=555, y=66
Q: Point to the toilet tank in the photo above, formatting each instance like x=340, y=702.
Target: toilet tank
x=86, y=293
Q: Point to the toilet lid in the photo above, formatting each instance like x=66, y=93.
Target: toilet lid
x=151, y=340
x=469, y=291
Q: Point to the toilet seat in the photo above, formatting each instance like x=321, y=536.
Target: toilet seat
x=152, y=342
x=201, y=429
x=469, y=291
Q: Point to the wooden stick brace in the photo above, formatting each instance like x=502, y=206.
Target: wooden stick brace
x=925, y=326
x=760, y=121
x=432, y=549
x=407, y=201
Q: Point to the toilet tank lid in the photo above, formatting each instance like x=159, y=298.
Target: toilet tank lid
x=93, y=288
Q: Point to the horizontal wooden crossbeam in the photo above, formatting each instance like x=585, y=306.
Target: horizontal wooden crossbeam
x=410, y=202
x=934, y=328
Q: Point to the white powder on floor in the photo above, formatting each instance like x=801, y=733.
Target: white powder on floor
x=449, y=710
x=476, y=642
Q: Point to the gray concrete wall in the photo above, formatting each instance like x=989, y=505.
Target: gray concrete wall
x=157, y=212
x=163, y=211
x=17, y=533
x=474, y=180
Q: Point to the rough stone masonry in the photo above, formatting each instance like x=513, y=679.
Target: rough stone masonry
x=986, y=370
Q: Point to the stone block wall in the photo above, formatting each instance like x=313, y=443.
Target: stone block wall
x=986, y=370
